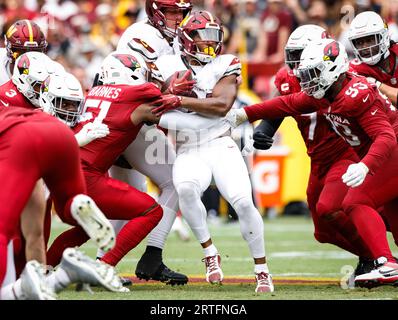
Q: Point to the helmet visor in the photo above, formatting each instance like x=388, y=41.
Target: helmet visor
x=208, y=41
x=292, y=57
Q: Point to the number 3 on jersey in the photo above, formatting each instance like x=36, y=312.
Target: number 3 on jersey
x=103, y=109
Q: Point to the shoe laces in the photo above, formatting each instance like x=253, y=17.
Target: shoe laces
x=263, y=279
x=211, y=263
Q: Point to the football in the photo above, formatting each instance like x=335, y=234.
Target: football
x=166, y=84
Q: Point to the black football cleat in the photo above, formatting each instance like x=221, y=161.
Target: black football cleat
x=126, y=281
x=364, y=266
x=163, y=274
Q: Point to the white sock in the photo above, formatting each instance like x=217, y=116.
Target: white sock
x=158, y=235
x=258, y=268
x=13, y=291
x=210, y=251
x=58, y=280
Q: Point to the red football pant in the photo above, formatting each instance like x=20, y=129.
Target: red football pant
x=361, y=204
x=31, y=150
x=118, y=201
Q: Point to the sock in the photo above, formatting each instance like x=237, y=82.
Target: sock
x=258, y=268
x=13, y=291
x=210, y=251
x=132, y=234
x=71, y=238
x=58, y=280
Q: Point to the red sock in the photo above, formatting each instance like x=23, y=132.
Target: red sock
x=68, y=239
x=132, y=234
x=371, y=228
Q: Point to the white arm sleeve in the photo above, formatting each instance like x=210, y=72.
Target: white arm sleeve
x=177, y=120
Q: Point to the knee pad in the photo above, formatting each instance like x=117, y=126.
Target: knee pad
x=243, y=205
x=188, y=192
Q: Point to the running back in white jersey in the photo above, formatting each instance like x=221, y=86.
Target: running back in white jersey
x=147, y=40
x=206, y=78
x=5, y=72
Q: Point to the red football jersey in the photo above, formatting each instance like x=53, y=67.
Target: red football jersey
x=358, y=113
x=113, y=105
x=324, y=146
x=10, y=117
x=390, y=79
x=11, y=97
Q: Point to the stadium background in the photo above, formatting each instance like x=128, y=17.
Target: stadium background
x=81, y=33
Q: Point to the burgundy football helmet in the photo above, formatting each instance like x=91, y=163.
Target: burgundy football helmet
x=155, y=11
x=24, y=36
x=201, y=36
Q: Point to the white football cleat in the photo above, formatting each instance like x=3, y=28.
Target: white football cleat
x=82, y=269
x=93, y=221
x=33, y=283
x=385, y=273
x=214, y=273
x=264, y=282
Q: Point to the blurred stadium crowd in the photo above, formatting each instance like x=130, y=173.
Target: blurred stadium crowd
x=81, y=33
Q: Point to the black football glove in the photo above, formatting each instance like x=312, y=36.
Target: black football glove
x=262, y=141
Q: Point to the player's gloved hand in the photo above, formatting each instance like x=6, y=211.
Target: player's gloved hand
x=374, y=81
x=355, y=174
x=248, y=148
x=165, y=103
x=90, y=132
x=181, y=86
x=262, y=141
x=235, y=117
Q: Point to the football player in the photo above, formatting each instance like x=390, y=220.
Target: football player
x=117, y=104
x=54, y=156
x=208, y=151
x=329, y=154
x=153, y=38
x=367, y=122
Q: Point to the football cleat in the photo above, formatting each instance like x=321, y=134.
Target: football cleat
x=385, y=273
x=162, y=273
x=214, y=274
x=82, y=269
x=33, y=283
x=92, y=220
x=264, y=282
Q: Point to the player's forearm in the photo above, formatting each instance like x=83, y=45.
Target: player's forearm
x=268, y=127
x=390, y=92
x=211, y=106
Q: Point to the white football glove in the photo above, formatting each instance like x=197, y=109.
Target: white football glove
x=373, y=80
x=90, y=132
x=355, y=174
x=235, y=117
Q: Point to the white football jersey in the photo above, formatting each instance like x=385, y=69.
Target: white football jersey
x=5, y=72
x=147, y=40
x=206, y=78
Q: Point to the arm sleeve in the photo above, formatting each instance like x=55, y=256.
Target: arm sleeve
x=379, y=129
x=268, y=127
x=281, y=107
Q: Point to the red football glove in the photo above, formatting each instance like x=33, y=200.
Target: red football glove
x=166, y=103
x=181, y=86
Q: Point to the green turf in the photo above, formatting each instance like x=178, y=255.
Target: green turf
x=292, y=253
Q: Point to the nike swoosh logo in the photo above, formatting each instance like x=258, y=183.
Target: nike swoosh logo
x=374, y=112
x=366, y=99
x=388, y=272
x=5, y=104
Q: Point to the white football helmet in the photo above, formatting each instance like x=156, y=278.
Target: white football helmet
x=368, y=35
x=30, y=70
x=125, y=67
x=61, y=95
x=320, y=66
x=298, y=40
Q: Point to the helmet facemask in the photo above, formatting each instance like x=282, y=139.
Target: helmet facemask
x=292, y=58
x=66, y=109
x=370, y=48
x=207, y=44
x=312, y=82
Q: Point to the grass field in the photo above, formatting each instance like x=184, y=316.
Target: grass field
x=302, y=268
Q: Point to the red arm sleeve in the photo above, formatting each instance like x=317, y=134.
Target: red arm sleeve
x=280, y=107
x=377, y=126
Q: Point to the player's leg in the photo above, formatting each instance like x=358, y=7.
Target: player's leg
x=153, y=155
x=191, y=176
x=232, y=179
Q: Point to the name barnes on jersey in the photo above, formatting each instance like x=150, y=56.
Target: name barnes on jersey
x=105, y=92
